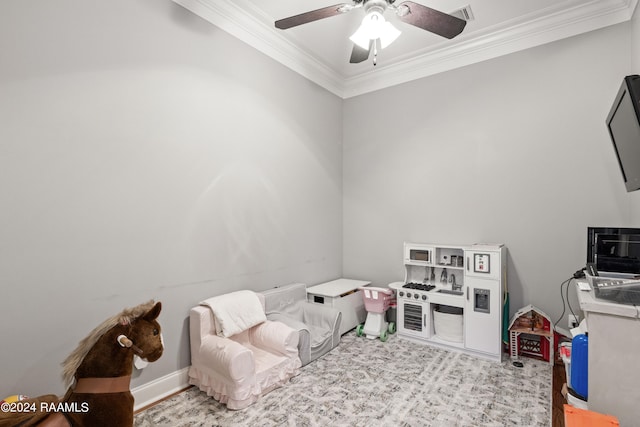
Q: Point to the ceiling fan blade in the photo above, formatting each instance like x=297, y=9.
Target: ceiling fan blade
x=314, y=15
x=429, y=19
x=359, y=54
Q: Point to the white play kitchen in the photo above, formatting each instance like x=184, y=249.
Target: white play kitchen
x=452, y=296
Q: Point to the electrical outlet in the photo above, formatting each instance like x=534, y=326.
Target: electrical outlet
x=572, y=321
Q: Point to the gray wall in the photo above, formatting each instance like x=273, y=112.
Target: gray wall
x=146, y=154
x=511, y=150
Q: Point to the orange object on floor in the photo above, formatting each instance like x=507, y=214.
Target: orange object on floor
x=576, y=417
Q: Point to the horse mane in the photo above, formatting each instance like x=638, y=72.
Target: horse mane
x=73, y=361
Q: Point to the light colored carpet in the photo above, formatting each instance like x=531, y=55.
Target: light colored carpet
x=369, y=383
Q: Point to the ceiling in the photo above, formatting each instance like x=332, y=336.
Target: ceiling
x=320, y=50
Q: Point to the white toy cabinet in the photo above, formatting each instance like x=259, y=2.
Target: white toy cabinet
x=452, y=296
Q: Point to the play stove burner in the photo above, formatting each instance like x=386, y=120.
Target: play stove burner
x=419, y=286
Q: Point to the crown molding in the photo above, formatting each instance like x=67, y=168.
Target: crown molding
x=549, y=26
x=227, y=16
x=492, y=44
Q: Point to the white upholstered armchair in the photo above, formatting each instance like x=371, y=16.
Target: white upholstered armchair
x=237, y=355
x=317, y=324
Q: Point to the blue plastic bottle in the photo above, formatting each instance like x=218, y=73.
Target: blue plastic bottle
x=579, y=368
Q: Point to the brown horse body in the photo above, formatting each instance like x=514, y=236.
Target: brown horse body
x=100, y=369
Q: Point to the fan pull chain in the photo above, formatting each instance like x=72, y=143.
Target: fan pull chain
x=375, y=53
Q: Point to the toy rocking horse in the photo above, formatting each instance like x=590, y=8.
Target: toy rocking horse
x=98, y=373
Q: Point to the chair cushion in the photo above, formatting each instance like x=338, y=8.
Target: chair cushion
x=304, y=338
x=318, y=324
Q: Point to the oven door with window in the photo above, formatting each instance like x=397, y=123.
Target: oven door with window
x=414, y=319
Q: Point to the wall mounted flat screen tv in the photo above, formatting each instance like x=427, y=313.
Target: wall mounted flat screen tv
x=623, y=123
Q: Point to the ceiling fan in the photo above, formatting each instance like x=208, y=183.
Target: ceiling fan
x=374, y=27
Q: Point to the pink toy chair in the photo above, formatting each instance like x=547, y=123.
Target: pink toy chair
x=237, y=369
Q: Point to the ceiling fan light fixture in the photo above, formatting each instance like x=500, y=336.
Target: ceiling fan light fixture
x=373, y=27
x=389, y=34
x=360, y=38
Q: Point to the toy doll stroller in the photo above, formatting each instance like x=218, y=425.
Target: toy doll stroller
x=376, y=302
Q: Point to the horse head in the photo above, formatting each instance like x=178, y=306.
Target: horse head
x=109, y=349
x=146, y=335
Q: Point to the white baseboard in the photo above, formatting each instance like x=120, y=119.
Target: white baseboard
x=160, y=388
